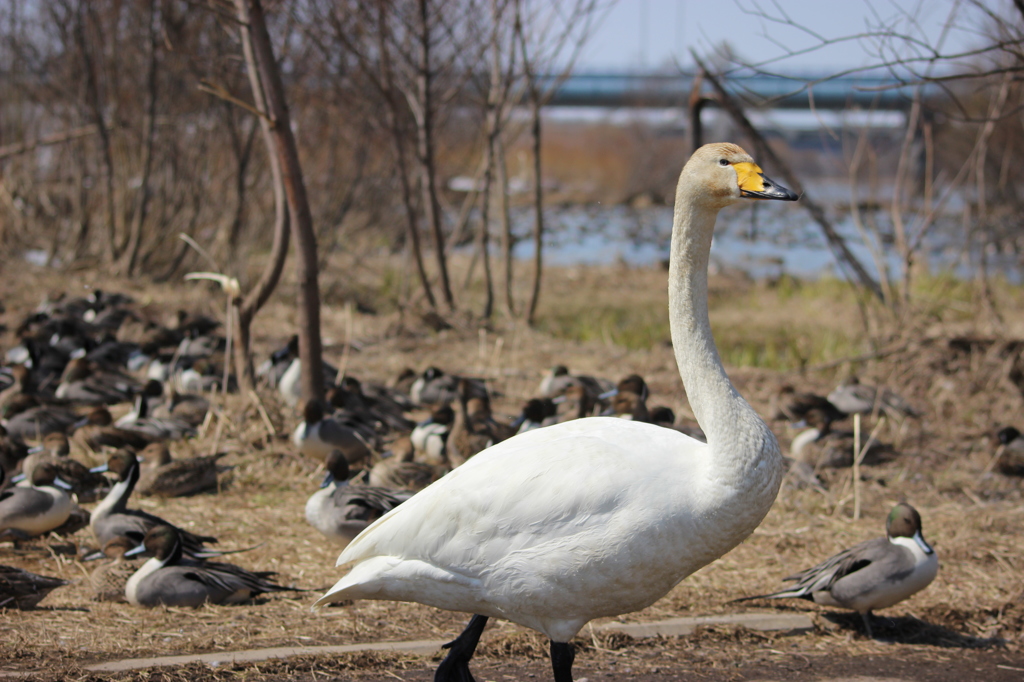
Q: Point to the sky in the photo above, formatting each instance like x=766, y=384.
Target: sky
x=639, y=34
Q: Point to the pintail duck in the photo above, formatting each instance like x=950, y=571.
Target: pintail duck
x=109, y=578
x=535, y=411
x=1008, y=457
x=318, y=435
x=83, y=382
x=875, y=574
x=165, y=477
x=27, y=418
x=98, y=430
x=630, y=405
x=853, y=397
x=793, y=405
x=190, y=408
x=381, y=410
x=821, y=446
x=40, y=508
x=556, y=381
x=171, y=578
x=594, y=517
x=20, y=385
x=429, y=438
x=575, y=403
x=474, y=428
x=20, y=589
x=434, y=387
x=341, y=511
x=156, y=428
x=111, y=518
x=284, y=371
x=81, y=482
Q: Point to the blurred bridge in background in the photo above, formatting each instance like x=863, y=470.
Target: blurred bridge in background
x=865, y=92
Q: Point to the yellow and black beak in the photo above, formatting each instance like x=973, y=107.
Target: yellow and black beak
x=754, y=184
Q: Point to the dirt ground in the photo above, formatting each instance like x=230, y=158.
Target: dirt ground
x=967, y=625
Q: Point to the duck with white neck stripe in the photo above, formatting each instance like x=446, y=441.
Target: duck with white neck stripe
x=172, y=579
x=873, y=575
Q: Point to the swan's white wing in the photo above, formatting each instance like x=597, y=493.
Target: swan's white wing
x=519, y=522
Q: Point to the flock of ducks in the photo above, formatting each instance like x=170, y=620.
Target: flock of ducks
x=589, y=504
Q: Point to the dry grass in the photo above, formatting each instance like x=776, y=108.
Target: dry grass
x=973, y=520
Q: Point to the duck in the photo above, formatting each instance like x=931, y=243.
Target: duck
x=793, y=405
x=630, y=405
x=23, y=590
x=1008, y=457
x=474, y=428
x=98, y=431
x=558, y=379
x=170, y=578
x=318, y=435
x=27, y=418
x=108, y=579
x=430, y=437
x=875, y=574
x=141, y=421
x=163, y=476
x=381, y=409
x=341, y=511
x=575, y=403
x=56, y=449
x=112, y=518
x=284, y=370
x=592, y=517
x=84, y=382
x=35, y=510
x=853, y=397
x=190, y=408
x=20, y=385
x=435, y=387
x=401, y=474
x=820, y=446
x=533, y=414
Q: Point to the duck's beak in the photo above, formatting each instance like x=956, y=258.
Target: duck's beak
x=328, y=479
x=925, y=547
x=755, y=185
x=135, y=551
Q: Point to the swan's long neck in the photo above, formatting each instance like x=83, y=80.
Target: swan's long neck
x=739, y=439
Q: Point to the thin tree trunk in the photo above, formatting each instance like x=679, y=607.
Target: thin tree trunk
x=92, y=90
x=484, y=237
x=538, y=207
x=243, y=154
x=249, y=306
x=149, y=134
x=401, y=158
x=425, y=144
x=250, y=13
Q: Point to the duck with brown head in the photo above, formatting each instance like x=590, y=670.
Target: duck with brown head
x=112, y=518
x=341, y=511
x=37, y=509
x=170, y=578
x=593, y=517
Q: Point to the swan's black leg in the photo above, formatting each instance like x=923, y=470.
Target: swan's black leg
x=455, y=666
x=562, y=655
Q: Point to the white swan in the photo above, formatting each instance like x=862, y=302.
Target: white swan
x=594, y=517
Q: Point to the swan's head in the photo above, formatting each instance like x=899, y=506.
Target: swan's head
x=721, y=174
